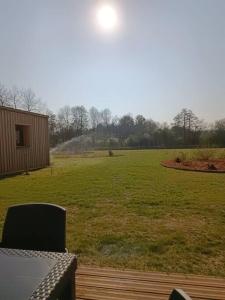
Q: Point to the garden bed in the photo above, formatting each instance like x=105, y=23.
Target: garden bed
x=212, y=166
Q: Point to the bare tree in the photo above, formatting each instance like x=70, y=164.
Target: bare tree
x=4, y=99
x=106, y=116
x=65, y=117
x=115, y=121
x=15, y=97
x=53, y=127
x=80, y=119
x=189, y=123
x=95, y=117
x=65, y=123
x=29, y=100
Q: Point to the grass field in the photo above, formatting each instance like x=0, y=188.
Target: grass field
x=128, y=211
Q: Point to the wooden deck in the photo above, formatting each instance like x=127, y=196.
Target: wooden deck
x=111, y=284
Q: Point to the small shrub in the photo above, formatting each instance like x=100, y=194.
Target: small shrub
x=180, y=157
x=204, y=154
x=177, y=160
x=111, y=153
x=211, y=167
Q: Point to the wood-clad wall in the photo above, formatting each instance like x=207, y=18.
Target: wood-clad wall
x=36, y=155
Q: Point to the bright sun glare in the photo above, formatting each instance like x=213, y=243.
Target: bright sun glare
x=107, y=18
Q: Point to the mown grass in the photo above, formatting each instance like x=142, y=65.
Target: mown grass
x=127, y=211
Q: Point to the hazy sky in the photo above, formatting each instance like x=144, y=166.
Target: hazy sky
x=165, y=55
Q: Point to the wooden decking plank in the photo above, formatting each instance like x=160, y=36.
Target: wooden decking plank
x=147, y=285
x=110, y=271
x=153, y=276
x=110, y=284
x=150, y=288
x=142, y=281
x=103, y=294
x=96, y=294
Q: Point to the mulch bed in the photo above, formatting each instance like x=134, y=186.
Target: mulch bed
x=211, y=166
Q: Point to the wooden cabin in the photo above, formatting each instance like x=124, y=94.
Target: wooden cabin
x=24, y=141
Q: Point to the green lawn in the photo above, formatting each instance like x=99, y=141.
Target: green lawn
x=128, y=211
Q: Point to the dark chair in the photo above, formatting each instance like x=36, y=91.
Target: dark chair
x=38, y=226
x=178, y=294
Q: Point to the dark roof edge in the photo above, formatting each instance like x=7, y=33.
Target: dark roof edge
x=23, y=111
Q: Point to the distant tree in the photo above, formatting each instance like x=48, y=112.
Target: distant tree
x=140, y=120
x=65, y=123
x=94, y=117
x=14, y=95
x=165, y=136
x=206, y=138
x=140, y=123
x=4, y=99
x=187, y=123
x=65, y=117
x=79, y=119
x=151, y=126
x=126, y=121
x=115, y=121
x=52, y=122
x=106, y=117
x=219, y=133
x=220, y=125
x=126, y=126
x=75, y=114
x=180, y=122
x=53, y=128
x=29, y=100
x=114, y=127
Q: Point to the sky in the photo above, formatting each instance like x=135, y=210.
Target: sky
x=164, y=55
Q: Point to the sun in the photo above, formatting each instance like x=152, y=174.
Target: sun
x=107, y=18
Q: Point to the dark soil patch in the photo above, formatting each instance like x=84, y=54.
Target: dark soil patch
x=212, y=166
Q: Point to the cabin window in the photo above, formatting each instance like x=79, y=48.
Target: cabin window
x=22, y=135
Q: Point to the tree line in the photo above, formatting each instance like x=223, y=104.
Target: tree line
x=20, y=98
x=108, y=131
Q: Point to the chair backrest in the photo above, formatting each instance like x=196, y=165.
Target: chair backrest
x=179, y=294
x=37, y=226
